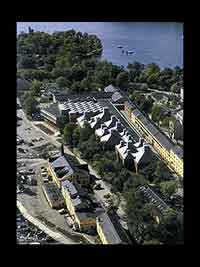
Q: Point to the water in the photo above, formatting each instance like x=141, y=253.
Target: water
x=159, y=42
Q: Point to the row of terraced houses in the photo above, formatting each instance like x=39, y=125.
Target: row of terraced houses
x=170, y=153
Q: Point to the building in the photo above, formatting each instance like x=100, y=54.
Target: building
x=22, y=84
x=65, y=97
x=117, y=98
x=95, y=121
x=176, y=155
x=110, y=89
x=78, y=206
x=161, y=143
x=152, y=197
x=60, y=169
x=53, y=195
x=110, y=230
x=113, y=135
x=111, y=139
x=85, y=221
x=133, y=155
x=69, y=111
x=52, y=114
x=176, y=129
x=106, y=230
x=76, y=109
x=179, y=116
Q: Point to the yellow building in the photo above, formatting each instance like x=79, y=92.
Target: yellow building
x=60, y=170
x=85, y=221
x=106, y=230
x=53, y=196
x=172, y=154
x=77, y=207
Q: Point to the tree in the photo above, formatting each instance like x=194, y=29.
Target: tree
x=147, y=105
x=157, y=113
x=26, y=62
x=68, y=133
x=151, y=68
x=153, y=80
x=170, y=229
x=76, y=137
x=175, y=88
x=122, y=80
x=36, y=87
x=168, y=188
x=85, y=132
x=61, y=124
x=62, y=82
x=30, y=104
x=161, y=172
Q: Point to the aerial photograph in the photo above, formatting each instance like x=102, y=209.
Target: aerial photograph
x=99, y=133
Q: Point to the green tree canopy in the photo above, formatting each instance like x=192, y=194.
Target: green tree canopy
x=85, y=132
x=157, y=113
x=36, y=87
x=122, y=80
x=30, y=104
x=68, y=133
x=168, y=188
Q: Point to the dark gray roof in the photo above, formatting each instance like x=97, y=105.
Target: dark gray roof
x=83, y=96
x=62, y=164
x=109, y=229
x=163, y=141
x=53, y=192
x=178, y=151
x=152, y=128
x=150, y=194
x=137, y=113
x=52, y=110
x=85, y=215
x=22, y=84
x=117, y=96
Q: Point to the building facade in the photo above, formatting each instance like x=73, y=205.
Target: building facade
x=157, y=139
x=106, y=230
x=78, y=209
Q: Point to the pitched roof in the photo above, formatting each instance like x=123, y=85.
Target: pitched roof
x=178, y=151
x=108, y=229
x=110, y=88
x=52, y=110
x=117, y=96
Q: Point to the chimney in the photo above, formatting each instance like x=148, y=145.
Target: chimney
x=142, y=141
x=62, y=150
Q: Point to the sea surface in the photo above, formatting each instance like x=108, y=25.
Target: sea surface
x=159, y=42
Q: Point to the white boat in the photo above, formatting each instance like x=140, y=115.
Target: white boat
x=130, y=52
x=120, y=46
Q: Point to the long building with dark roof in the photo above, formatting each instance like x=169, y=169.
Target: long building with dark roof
x=61, y=169
x=171, y=153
